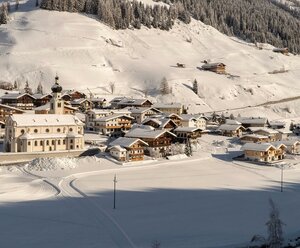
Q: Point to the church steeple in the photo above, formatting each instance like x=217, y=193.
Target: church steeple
x=56, y=103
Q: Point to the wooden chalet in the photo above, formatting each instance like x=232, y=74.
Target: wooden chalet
x=132, y=149
x=115, y=124
x=159, y=141
x=272, y=134
x=82, y=103
x=184, y=133
x=253, y=121
x=169, y=108
x=160, y=123
x=98, y=103
x=41, y=99
x=231, y=130
x=70, y=95
x=292, y=146
x=123, y=102
x=23, y=101
x=284, y=50
x=6, y=111
x=264, y=152
x=254, y=138
x=142, y=113
x=176, y=118
x=219, y=68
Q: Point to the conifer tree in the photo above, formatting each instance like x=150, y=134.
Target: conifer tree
x=164, y=87
x=195, y=87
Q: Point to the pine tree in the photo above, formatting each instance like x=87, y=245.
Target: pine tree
x=231, y=117
x=275, y=238
x=16, y=85
x=164, y=87
x=27, y=89
x=39, y=89
x=195, y=87
x=188, y=148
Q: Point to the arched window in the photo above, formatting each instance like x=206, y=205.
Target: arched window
x=47, y=130
x=22, y=131
x=58, y=130
x=71, y=129
x=35, y=130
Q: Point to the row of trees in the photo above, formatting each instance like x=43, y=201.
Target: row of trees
x=120, y=14
x=254, y=21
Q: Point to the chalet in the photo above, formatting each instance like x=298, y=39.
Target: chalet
x=113, y=124
x=183, y=133
x=231, y=130
x=284, y=50
x=40, y=133
x=141, y=114
x=174, y=117
x=219, y=68
x=276, y=124
x=284, y=134
x=272, y=134
x=98, y=103
x=193, y=121
x=292, y=146
x=123, y=102
x=160, y=123
x=23, y=101
x=82, y=103
x=93, y=114
x=6, y=111
x=264, y=152
x=159, y=141
x=253, y=121
x=45, y=109
x=254, y=138
x=41, y=99
x=170, y=108
x=70, y=95
x=132, y=149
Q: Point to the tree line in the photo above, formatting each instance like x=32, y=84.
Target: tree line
x=251, y=20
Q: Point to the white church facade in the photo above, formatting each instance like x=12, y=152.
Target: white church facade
x=41, y=133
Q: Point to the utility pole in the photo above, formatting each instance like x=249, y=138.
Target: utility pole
x=115, y=185
x=281, y=181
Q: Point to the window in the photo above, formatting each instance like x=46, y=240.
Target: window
x=58, y=142
x=47, y=142
x=53, y=142
x=35, y=143
x=71, y=141
x=35, y=130
x=22, y=131
x=41, y=142
x=58, y=130
x=64, y=142
x=47, y=130
x=29, y=143
x=71, y=129
x=71, y=147
x=59, y=104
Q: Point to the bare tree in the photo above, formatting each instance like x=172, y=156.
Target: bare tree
x=164, y=87
x=112, y=87
x=275, y=238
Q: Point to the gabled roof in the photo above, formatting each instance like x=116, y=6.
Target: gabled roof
x=257, y=136
x=16, y=96
x=118, y=148
x=261, y=147
x=212, y=65
x=47, y=107
x=114, y=116
x=252, y=120
x=174, y=115
x=187, y=129
x=126, y=142
x=27, y=120
x=226, y=127
x=142, y=110
x=11, y=108
x=266, y=130
x=233, y=122
x=129, y=101
x=147, y=133
x=287, y=142
x=79, y=101
x=41, y=96
x=187, y=117
x=162, y=122
x=167, y=105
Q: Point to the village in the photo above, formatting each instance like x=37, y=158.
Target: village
x=69, y=123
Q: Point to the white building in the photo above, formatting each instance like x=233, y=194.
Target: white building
x=193, y=121
x=42, y=133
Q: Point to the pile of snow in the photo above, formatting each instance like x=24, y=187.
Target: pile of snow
x=52, y=164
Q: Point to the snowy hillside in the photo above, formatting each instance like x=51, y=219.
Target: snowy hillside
x=37, y=44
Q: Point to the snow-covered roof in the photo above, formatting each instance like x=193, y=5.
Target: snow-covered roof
x=29, y=120
x=109, y=111
x=188, y=117
x=167, y=105
x=79, y=101
x=252, y=120
x=233, y=122
x=12, y=108
x=266, y=130
x=277, y=123
x=142, y=110
x=226, y=127
x=187, y=129
x=287, y=142
x=113, y=116
x=41, y=96
x=262, y=147
x=162, y=122
x=15, y=96
x=126, y=142
x=212, y=65
x=133, y=102
x=147, y=133
x=257, y=136
x=118, y=148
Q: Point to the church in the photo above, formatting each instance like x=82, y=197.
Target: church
x=55, y=131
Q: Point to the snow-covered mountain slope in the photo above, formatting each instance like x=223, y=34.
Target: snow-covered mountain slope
x=37, y=44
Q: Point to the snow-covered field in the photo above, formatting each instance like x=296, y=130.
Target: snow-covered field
x=37, y=44
x=203, y=201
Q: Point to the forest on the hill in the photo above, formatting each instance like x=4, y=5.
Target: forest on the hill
x=251, y=20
